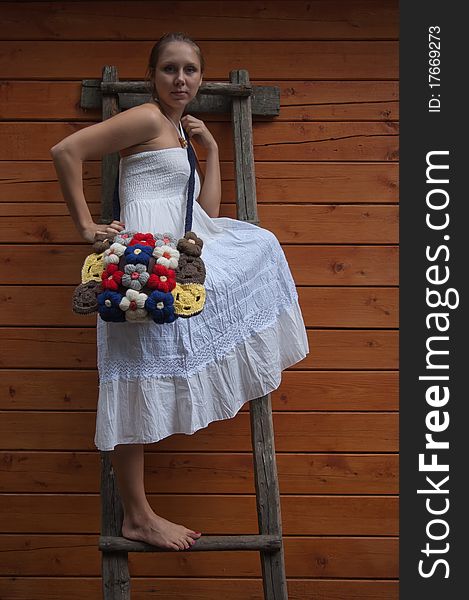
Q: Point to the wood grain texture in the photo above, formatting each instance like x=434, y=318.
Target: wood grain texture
x=188, y=588
x=215, y=514
x=313, y=60
x=66, y=348
x=321, y=307
x=299, y=100
x=323, y=224
x=274, y=141
x=283, y=182
x=184, y=473
x=294, y=432
x=77, y=555
x=72, y=390
x=237, y=20
x=309, y=264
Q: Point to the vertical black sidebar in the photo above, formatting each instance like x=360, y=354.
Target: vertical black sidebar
x=434, y=357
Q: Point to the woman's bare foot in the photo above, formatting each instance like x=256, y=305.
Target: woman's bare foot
x=158, y=531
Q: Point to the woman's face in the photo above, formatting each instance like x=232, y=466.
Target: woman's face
x=177, y=70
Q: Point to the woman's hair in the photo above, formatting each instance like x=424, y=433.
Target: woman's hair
x=175, y=36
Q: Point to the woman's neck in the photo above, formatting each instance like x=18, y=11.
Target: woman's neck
x=173, y=114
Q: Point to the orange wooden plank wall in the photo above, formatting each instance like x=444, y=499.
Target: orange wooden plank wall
x=327, y=180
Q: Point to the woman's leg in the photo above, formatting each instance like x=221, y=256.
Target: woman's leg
x=140, y=522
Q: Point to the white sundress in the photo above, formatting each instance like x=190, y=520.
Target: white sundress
x=156, y=380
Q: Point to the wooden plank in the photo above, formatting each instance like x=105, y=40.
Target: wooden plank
x=184, y=473
x=343, y=265
x=294, y=432
x=296, y=224
x=238, y=20
x=42, y=211
x=349, y=307
x=285, y=182
x=273, y=141
x=321, y=307
x=76, y=555
x=309, y=264
x=64, y=348
x=32, y=181
x=66, y=390
x=299, y=101
x=55, y=588
x=215, y=514
x=322, y=60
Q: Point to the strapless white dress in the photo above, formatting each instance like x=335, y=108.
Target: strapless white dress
x=156, y=380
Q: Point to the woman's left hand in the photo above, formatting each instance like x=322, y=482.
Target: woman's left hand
x=196, y=129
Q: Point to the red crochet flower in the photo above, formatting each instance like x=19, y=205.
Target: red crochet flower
x=111, y=277
x=144, y=239
x=162, y=279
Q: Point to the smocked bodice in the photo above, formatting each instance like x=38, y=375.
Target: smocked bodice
x=153, y=193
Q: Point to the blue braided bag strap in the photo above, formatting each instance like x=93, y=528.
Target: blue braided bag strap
x=191, y=186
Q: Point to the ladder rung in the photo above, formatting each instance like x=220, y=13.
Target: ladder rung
x=267, y=543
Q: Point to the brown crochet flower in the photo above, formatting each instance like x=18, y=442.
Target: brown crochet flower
x=190, y=244
x=84, y=300
x=191, y=269
x=102, y=242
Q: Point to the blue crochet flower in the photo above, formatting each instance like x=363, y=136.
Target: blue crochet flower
x=138, y=254
x=108, y=306
x=160, y=307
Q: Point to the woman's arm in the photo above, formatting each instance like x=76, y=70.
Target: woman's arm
x=210, y=193
x=125, y=129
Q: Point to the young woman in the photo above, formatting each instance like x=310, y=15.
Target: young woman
x=156, y=380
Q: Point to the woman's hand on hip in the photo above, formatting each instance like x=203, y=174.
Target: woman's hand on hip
x=89, y=232
x=197, y=129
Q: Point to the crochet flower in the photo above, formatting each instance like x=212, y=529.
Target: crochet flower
x=162, y=279
x=135, y=276
x=166, y=256
x=111, y=277
x=165, y=239
x=133, y=304
x=190, y=244
x=102, y=242
x=144, y=239
x=191, y=269
x=138, y=254
x=85, y=297
x=108, y=306
x=124, y=237
x=160, y=306
x=113, y=254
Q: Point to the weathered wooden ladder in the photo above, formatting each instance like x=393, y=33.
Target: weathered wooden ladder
x=243, y=100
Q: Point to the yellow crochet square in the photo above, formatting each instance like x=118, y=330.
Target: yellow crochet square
x=92, y=267
x=189, y=299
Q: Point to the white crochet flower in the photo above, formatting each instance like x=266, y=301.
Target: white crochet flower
x=166, y=256
x=133, y=305
x=113, y=254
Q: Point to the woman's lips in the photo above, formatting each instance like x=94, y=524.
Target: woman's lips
x=179, y=93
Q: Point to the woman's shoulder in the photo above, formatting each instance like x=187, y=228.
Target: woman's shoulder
x=147, y=110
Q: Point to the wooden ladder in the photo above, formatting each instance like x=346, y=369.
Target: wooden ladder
x=243, y=100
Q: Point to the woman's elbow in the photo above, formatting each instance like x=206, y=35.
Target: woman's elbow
x=56, y=150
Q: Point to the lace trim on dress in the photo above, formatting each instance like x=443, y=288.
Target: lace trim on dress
x=186, y=366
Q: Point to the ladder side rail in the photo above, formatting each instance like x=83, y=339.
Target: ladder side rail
x=115, y=565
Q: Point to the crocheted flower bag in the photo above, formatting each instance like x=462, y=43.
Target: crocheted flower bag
x=137, y=277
